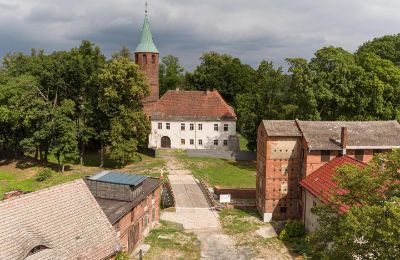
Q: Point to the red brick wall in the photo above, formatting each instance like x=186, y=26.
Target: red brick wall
x=151, y=70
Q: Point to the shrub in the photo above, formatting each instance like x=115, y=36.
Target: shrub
x=122, y=256
x=44, y=175
x=293, y=228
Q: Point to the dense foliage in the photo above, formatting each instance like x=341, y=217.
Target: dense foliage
x=370, y=228
x=58, y=103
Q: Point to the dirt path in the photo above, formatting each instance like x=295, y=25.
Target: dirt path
x=193, y=212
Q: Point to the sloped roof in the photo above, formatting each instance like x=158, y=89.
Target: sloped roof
x=118, y=178
x=320, y=183
x=65, y=218
x=192, y=105
x=325, y=135
x=281, y=128
x=146, y=43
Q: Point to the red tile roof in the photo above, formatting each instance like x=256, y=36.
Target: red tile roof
x=320, y=183
x=189, y=105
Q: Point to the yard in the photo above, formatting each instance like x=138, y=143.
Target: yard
x=251, y=233
x=224, y=173
x=170, y=241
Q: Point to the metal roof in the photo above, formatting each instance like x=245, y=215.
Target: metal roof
x=118, y=178
x=146, y=43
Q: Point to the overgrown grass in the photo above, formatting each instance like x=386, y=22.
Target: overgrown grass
x=25, y=181
x=170, y=241
x=236, y=221
x=225, y=173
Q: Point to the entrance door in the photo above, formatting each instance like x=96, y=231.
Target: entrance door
x=165, y=142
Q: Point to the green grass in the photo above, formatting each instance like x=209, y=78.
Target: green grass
x=170, y=241
x=25, y=181
x=236, y=221
x=224, y=173
x=243, y=143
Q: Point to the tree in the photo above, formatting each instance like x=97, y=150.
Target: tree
x=171, y=74
x=124, y=52
x=121, y=122
x=224, y=73
x=370, y=229
x=386, y=47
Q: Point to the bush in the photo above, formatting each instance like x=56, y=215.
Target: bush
x=293, y=228
x=44, y=175
x=122, y=256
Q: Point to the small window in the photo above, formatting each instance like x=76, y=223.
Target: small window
x=226, y=127
x=359, y=155
x=314, y=204
x=191, y=127
x=225, y=142
x=168, y=126
x=153, y=59
x=283, y=209
x=183, y=127
x=136, y=58
x=325, y=156
x=216, y=142
x=191, y=142
x=182, y=141
x=144, y=59
x=215, y=127
x=200, y=127
x=159, y=125
x=200, y=142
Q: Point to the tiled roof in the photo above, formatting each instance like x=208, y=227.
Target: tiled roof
x=325, y=135
x=116, y=209
x=281, y=128
x=65, y=218
x=320, y=183
x=192, y=105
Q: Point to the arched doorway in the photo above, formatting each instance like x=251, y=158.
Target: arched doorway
x=165, y=142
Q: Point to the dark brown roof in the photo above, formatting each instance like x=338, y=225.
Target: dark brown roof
x=320, y=183
x=190, y=105
x=116, y=209
x=65, y=218
x=325, y=135
x=281, y=128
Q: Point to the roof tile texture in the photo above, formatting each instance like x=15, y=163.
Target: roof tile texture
x=191, y=105
x=64, y=218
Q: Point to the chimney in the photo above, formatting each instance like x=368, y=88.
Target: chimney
x=13, y=194
x=344, y=139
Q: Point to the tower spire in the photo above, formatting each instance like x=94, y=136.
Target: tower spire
x=146, y=5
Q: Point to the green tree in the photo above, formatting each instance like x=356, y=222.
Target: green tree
x=122, y=124
x=370, y=229
x=171, y=74
x=124, y=52
x=387, y=47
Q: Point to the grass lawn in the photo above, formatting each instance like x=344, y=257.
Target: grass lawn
x=224, y=173
x=242, y=226
x=170, y=241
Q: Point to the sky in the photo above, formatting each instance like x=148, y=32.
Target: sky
x=252, y=30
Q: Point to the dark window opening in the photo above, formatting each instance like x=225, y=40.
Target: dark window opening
x=325, y=156
x=283, y=209
x=168, y=126
x=144, y=59
x=225, y=142
x=216, y=142
x=37, y=249
x=226, y=127
x=153, y=59
x=359, y=155
x=159, y=125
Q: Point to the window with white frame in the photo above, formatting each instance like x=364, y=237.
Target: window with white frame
x=159, y=125
x=226, y=127
x=191, y=142
x=225, y=142
x=216, y=142
x=191, y=127
x=183, y=127
x=200, y=142
x=168, y=126
x=182, y=141
x=215, y=127
x=200, y=127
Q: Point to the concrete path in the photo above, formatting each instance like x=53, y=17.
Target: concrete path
x=193, y=212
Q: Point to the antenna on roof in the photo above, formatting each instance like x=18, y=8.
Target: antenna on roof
x=146, y=5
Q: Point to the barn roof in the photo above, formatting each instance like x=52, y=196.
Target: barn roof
x=320, y=183
x=118, y=178
x=281, y=128
x=191, y=105
x=65, y=220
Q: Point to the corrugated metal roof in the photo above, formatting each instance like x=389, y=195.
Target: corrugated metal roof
x=118, y=178
x=146, y=43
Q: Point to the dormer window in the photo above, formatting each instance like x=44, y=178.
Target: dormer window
x=36, y=249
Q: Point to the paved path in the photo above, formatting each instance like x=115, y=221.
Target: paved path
x=193, y=212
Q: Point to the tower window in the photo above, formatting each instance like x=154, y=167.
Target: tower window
x=144, y=59
x=153, y=59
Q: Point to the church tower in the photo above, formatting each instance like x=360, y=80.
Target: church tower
x=147, y=57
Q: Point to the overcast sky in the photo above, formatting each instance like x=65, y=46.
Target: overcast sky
x=250, y=29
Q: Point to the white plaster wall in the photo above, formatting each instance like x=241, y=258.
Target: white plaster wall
x=207, y=134
x=310, y=219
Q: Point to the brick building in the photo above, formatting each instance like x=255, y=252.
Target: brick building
x=131, y=203
x=61, y=222
x=289, y=150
